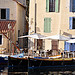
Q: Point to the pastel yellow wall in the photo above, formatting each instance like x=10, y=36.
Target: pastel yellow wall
x=20, y=21
x=4, y=43
x=11, y=5
x=59, y=20
x=17, y=12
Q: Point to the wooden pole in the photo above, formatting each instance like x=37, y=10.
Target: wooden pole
x=10, y=40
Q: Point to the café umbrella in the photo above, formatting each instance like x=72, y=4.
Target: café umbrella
x=57, y=37
x=71, y=41
x=35, y=36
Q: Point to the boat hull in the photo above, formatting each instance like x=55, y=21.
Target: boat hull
x=17, y=64
x=3, y=61
x=52, y=65
x=30, y=64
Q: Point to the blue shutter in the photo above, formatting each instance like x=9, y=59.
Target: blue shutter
x=7, y=13
x=74, y=47
x=70, y=22
x=71, y=47
x=73, y=6
x=70, y=5
x=67, y=46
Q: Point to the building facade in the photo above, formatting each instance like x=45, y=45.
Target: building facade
x=53, y=17
x=12, y=22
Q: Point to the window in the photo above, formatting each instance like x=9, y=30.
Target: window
x=66, y=46
x=47, y=25
x=4, y=13
x=72, y=23
x=39, y=44
x=0, y=39
x=69, y=46
x=52, y=5
x=54, y=45
x=72, y=5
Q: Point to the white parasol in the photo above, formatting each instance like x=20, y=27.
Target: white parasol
x=35, y=36
x=57, y=37
x=71, y=41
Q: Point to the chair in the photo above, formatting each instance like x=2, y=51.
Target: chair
x=49, y=53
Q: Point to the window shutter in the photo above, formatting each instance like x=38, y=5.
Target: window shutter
x=47, y=5
x=73, y=47
x=67, y=46
x=73, y=6
x=56, y=5
x=70, y=5
x=70, y=22
x=47, y=25
x=7, y=13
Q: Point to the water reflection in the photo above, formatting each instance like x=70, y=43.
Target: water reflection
x=52, y=71
x=40, y=71
x=3, y=70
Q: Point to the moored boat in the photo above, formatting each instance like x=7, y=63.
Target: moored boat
x=17, y=64
x=27, y=64
x=3, y=61
x=61, y=63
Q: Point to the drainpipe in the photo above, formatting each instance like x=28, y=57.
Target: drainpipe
x=35, y=16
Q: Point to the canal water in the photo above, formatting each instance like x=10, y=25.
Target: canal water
x=45, y=71
x=3, y=70
x=52, y=71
